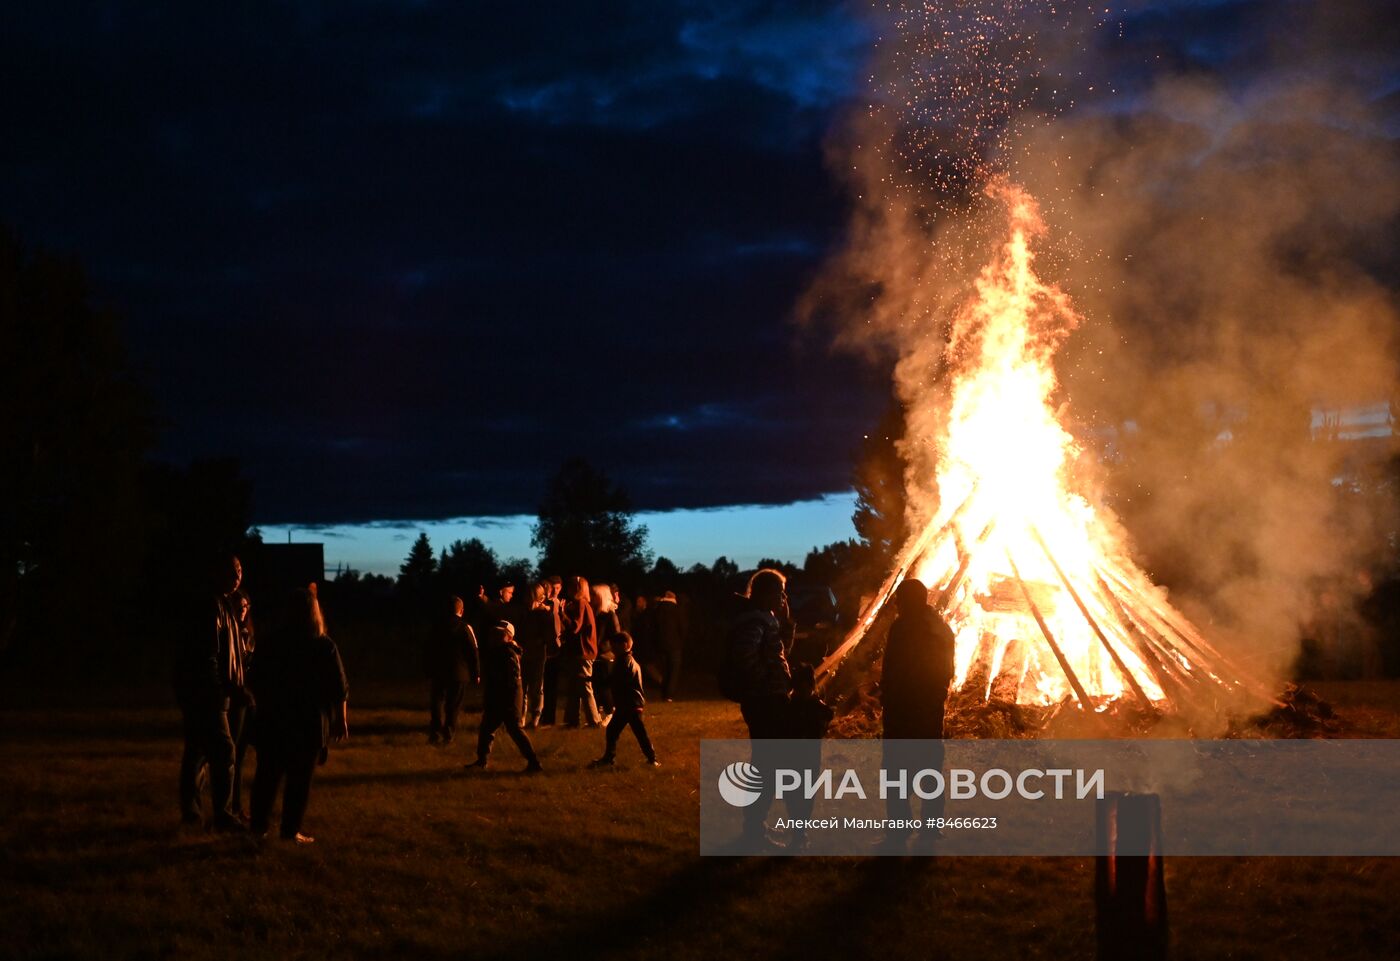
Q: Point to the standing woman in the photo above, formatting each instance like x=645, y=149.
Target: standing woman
x=300, y=687
x=580, y=636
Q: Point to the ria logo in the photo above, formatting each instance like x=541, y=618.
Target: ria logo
x=740, y=784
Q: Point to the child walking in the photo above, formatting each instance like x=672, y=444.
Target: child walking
x=628, y=703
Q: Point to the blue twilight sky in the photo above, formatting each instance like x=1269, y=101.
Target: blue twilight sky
x=744, y=534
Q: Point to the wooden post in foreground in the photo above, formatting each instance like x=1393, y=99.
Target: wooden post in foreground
x=1130, y=891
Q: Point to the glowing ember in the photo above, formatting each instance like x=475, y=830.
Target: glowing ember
x=1041, y=594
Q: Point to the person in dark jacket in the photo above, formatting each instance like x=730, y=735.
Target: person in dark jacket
x=580, y=650
x=452, y=663
x=208, y=673
x=502, y=607
x=240, y=707
x=629, y=700
x=918, y=667
x=668, y=629
x=756, y=674
x=808, y=718
x=644, y=639
x=624, y=610
x=539, y=641
x=300, y=685
x=500, y=696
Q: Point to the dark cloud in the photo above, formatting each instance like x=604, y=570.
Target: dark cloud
x=403, y=258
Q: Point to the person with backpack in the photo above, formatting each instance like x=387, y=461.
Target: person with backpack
x=756, y=674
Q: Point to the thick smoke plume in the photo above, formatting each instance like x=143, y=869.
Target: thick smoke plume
x=1224, y=222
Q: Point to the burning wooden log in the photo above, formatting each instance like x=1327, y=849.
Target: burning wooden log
x=1094, y=625
x=1166, y=671
x=945, y=596
x=1079, y=691
x=915, y=550
x=1172, y=623
x=1130, y=891
x=979, y=678
x=1010, y=674
x=1176, y=632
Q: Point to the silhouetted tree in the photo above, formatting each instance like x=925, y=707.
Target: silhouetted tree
x=417, y=570
x=724, y=570
x=586, y=527
x=197, y=510
x=467, y=565
x=827, y=564
x=663, y=576
x=518, y=571
x=352, y=583
x=881, y=496
x=852, y=568
x=845, y=567
x=73, y=430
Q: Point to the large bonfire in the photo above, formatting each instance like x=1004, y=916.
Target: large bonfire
x=1035, y=580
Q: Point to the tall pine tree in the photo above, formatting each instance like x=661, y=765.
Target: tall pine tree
x=417, y=571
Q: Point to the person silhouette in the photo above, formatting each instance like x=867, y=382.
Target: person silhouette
x=756, y=674
x=501, y=696
x=914, y=680
x=208, y=674
x=452, y=664
x=301, y=689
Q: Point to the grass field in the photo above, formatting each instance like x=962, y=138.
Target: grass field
x=417, y=858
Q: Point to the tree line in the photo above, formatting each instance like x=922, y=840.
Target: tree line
x=96, y=536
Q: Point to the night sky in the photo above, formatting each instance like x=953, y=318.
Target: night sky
x=403, y=258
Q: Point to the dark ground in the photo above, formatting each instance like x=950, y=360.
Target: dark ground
x=417, y=858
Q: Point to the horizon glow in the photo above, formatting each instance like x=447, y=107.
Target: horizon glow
x=745, y=533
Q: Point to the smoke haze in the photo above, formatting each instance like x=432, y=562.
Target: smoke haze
x=1221, y=207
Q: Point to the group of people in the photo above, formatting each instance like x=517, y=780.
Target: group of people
x=564, y=638
x=779, y=701
x=283, y=691
x=292, y=682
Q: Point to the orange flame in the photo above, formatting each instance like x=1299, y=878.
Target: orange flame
x=1033, y=619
